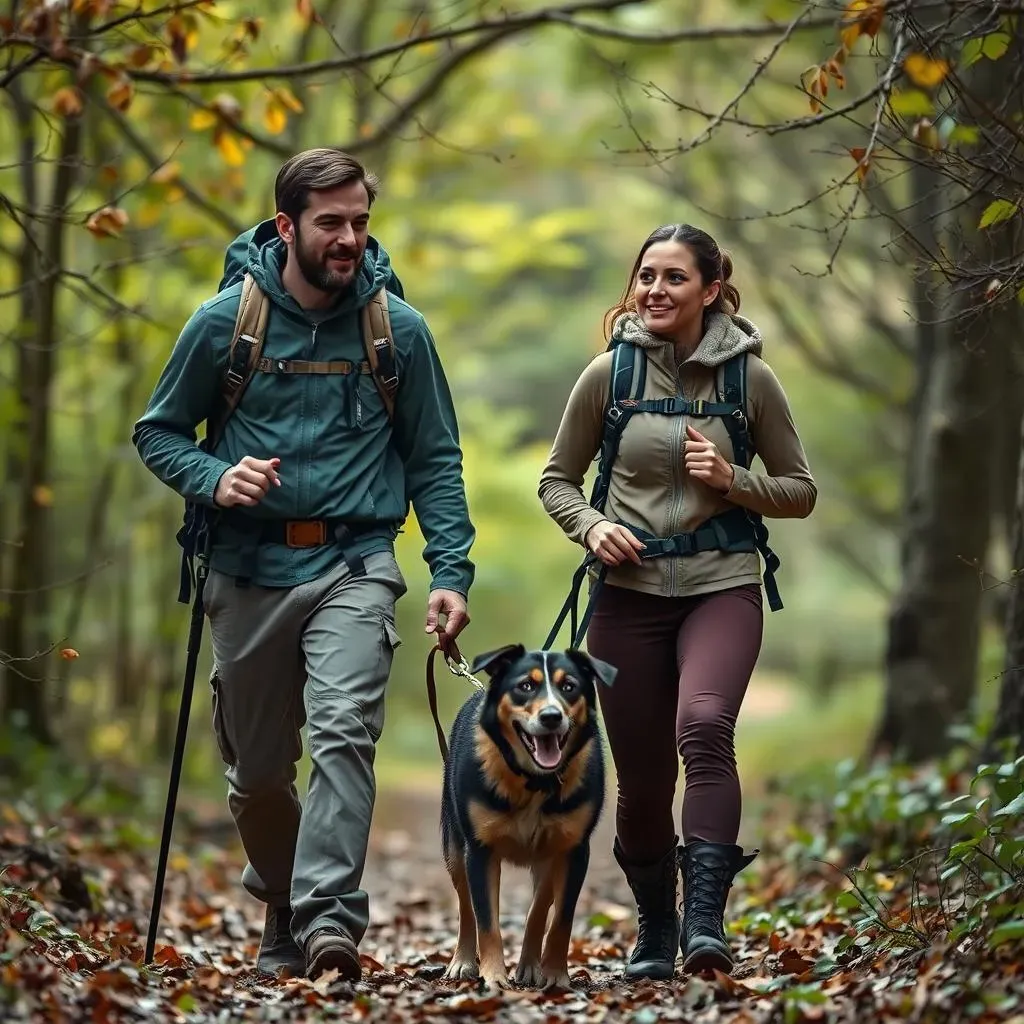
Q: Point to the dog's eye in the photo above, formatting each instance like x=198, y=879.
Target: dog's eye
x=526, y=686
x=569, y=686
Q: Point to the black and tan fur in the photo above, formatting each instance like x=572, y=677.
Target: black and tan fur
x=507, y=799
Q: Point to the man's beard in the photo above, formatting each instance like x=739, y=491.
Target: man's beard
x=318, y=274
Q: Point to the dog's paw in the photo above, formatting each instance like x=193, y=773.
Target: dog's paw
x=556, y=978
x=493, y=981
x=461, y=970
x=529, y=975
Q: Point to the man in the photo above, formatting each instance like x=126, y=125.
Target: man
x=311, y=481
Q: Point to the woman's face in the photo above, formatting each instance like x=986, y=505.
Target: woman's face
x=669, y=293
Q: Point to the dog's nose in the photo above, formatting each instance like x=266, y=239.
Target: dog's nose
x=550, y=717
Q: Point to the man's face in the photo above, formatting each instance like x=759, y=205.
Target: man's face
x=329, y=239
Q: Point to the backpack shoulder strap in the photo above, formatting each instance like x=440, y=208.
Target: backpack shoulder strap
x=379, y=343
x=734, y=392
x=243, y=355
x=626, y=384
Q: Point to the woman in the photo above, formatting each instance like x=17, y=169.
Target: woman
x=684, y=631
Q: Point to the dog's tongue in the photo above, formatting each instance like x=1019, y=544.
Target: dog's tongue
x=548, y=755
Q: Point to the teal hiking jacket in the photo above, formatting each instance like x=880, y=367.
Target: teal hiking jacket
x=340, y=456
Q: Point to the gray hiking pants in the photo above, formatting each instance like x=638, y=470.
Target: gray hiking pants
x=317, y=654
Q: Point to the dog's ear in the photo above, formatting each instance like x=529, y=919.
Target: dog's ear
x=594, y=668
x=493, y=662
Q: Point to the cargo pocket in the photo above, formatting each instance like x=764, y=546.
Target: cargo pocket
x=219, y=729
x=389, y=642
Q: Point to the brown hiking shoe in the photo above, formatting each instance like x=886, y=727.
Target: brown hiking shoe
x=326, y=950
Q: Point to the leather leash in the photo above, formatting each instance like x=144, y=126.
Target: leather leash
x=458, y=666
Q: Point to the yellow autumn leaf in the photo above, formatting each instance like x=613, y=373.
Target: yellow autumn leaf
x=174, y=194
x=42, y=495
x=201, y=120
x=67, y=102
x=230, y=150
x=289, y=99
x=925, y=72
x=861, y=18
x=275, y=117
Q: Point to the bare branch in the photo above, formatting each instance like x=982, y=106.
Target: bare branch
x=427, y=91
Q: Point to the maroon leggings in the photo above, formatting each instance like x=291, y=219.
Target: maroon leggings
x=684, y=664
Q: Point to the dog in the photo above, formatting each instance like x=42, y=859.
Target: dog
x=523, y=783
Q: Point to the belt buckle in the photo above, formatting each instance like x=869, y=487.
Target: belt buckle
x=305, y=533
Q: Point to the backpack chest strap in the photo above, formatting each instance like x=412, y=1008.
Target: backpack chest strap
x=339, y=366
x=675, y=407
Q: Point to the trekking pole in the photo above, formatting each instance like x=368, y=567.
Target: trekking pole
x=195, y=639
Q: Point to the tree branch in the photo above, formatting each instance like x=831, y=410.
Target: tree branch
x=143, y=148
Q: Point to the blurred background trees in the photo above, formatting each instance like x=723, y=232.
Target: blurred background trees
x=862, y=161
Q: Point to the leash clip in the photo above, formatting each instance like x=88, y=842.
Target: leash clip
x=461, y=668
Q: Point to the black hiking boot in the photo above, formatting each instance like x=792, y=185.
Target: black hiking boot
x=708, y=872
x=278, y=949
x=654, y=889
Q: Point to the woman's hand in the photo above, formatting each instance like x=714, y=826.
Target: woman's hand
x=703, y=461
x=613, y=544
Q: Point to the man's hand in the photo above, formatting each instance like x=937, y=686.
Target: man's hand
x=703, y=461
x=452, y=606
x=247, y=483
x=613, y=544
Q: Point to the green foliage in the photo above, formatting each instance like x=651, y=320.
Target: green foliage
x=996, y=212
x=933, y=853
x=991, y=46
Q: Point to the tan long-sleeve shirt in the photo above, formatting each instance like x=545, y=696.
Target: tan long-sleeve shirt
x=650, y=487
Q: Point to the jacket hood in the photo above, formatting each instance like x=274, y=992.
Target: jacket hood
x=260, y=251
x=725, y=335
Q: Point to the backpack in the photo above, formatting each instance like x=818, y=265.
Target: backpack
x=245, y=355
x=245, y=359
x=736, y=530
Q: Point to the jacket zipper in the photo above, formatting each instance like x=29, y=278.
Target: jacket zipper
x=312, y=427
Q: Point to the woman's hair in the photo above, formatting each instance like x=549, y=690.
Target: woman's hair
x=713, y=263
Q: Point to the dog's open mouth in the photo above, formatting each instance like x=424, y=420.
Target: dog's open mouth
x=546, y=750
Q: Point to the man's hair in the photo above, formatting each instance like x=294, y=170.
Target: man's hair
x=314, y=170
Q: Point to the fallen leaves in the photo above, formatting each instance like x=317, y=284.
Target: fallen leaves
x=65, y=961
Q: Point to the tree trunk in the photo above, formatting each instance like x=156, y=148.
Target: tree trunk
x=26, y=629
x=1009, y=720
x=929, y=677
x=934, y=626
